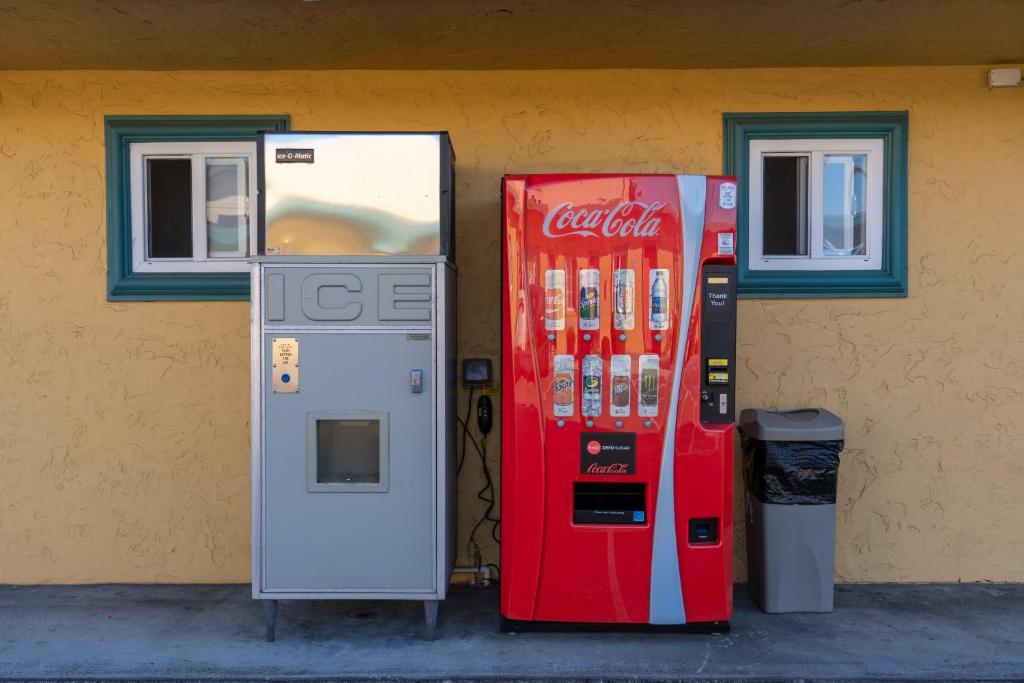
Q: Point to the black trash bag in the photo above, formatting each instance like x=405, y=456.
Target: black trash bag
x=792, y=472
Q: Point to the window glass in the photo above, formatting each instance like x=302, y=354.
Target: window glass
x=785, y=205
x=227, y=192
x=169, y=208
x=348, y=451
x=844, y=189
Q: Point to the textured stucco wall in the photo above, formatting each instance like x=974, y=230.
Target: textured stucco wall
x=123, y=427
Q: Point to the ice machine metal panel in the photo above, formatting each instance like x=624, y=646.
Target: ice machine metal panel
x=361, y=519
x=356, y=194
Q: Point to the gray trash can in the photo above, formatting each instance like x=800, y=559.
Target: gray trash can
x=790, y=465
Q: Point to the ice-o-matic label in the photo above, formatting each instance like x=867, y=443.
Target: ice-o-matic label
x=647, y=381
x=592, y=370
x=627, y=219
x=624, y=294
x=293, y=156
x=554, y=300
x=590, y=299
x=659, y=300
x=563, y=387
x=621, y=369
x=727, y=195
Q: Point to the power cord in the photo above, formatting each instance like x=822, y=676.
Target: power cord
x=486, y=494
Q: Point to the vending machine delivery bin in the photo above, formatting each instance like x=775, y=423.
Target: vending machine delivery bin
x=790, y=465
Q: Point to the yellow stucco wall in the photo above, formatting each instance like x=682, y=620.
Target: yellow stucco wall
x=123, y=426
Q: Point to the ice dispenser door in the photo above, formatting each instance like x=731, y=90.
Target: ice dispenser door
x=349, y=477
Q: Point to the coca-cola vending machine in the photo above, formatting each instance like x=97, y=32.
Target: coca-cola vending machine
x=618, y=376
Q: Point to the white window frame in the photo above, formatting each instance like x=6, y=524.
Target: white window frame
x=816, y=150
x=198, y=152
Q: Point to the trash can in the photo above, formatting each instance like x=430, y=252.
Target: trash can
x=790, y=465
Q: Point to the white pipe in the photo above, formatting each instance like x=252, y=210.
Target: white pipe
x=482, y=569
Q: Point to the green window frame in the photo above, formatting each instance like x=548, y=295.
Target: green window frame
x=123, y=284
x=740, y=129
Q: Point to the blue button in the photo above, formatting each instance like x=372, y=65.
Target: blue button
x=638, y=515
x=286, y=378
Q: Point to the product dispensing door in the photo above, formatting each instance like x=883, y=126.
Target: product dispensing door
x=353, y=369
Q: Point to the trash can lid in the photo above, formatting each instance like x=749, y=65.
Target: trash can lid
x=808, y=424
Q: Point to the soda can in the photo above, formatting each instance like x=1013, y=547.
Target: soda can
x=554, y=300
x=659, y=299
x=625, y=291
x=591, y=405
x=563, y=387
x=590, y=299
x=647, y=379
x=618, y=405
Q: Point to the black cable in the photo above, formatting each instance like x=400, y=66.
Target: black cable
x=486, y=494
x=489, y=512
x=465, y=430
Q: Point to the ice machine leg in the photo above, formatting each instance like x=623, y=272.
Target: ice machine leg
x=270, y=617
x=430, y=612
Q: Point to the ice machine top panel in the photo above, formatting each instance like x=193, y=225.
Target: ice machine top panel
x=355, y=194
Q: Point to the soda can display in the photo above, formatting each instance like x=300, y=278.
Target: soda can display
x=618, y=405
x=590, y=299
x=592, y=370
x=564, y=385
x=659, y=299
x=554, y=300
x=647, y=380
x=625, y=291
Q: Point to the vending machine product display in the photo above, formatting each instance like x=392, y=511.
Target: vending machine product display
x=353, y=361
x=618, y=376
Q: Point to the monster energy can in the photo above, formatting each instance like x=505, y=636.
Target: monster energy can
x=648, y=380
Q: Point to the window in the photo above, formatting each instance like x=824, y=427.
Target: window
x=191, y=209
x=815, y=205
x=180, y=208
x=822, y=203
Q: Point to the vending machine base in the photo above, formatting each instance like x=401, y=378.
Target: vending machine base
x=715, y=628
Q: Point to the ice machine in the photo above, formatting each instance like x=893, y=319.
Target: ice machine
x=618, y=377
x=353, y=360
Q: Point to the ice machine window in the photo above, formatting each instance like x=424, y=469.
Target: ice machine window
x=347, y=451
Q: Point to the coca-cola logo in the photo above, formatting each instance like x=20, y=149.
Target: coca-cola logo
x=628, y=219
x=613, y=468
x=608, y=453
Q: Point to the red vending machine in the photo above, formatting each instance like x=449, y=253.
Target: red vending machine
x=618, y=375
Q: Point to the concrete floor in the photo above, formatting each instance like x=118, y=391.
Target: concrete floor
x=216, y=632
